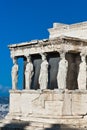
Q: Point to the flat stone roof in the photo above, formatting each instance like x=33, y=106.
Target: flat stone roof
x=78, y=30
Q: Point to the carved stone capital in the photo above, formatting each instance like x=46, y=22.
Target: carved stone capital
x=43, y=56
x=62, y=54
x=14, y=60
x=26, y=52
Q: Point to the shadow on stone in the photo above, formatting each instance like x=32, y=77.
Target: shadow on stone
x=19, y=125
x=15, y=125
x=64, y=127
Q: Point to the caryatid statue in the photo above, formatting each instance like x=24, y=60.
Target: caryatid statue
x=14, y=74
x=28, y=73
x=43, y=77
x=82, y=73
x=62, y=72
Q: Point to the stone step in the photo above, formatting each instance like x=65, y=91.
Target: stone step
x=22, y=125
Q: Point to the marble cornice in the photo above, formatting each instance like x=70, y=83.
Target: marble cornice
x=68, y=44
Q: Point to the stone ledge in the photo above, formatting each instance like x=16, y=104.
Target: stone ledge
x=18, y=116
x=60, y=120
x=49, y=91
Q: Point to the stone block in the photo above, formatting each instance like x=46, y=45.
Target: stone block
x=54, y=107
x=79, y=103
x=67, y=104
x=47, y=96
x=58, y=96
x=15, y=103
x=39, y=102
x=26, y=102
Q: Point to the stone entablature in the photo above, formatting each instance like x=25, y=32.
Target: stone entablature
x=40, y=46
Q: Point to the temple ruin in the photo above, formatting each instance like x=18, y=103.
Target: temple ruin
x=54, y=89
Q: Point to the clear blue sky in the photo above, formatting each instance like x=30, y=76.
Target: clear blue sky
x=25, y=20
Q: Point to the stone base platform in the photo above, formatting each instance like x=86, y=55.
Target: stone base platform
x=46, y=110
x=48, y=103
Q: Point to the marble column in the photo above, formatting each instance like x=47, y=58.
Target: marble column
x=28, y=73
x=82, y=73
x=62, y=72
x=14, y=74
x=43, y=77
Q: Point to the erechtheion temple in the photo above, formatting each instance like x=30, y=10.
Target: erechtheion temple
x=54, y=91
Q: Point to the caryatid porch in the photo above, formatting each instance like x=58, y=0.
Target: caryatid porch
x=54, y=89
